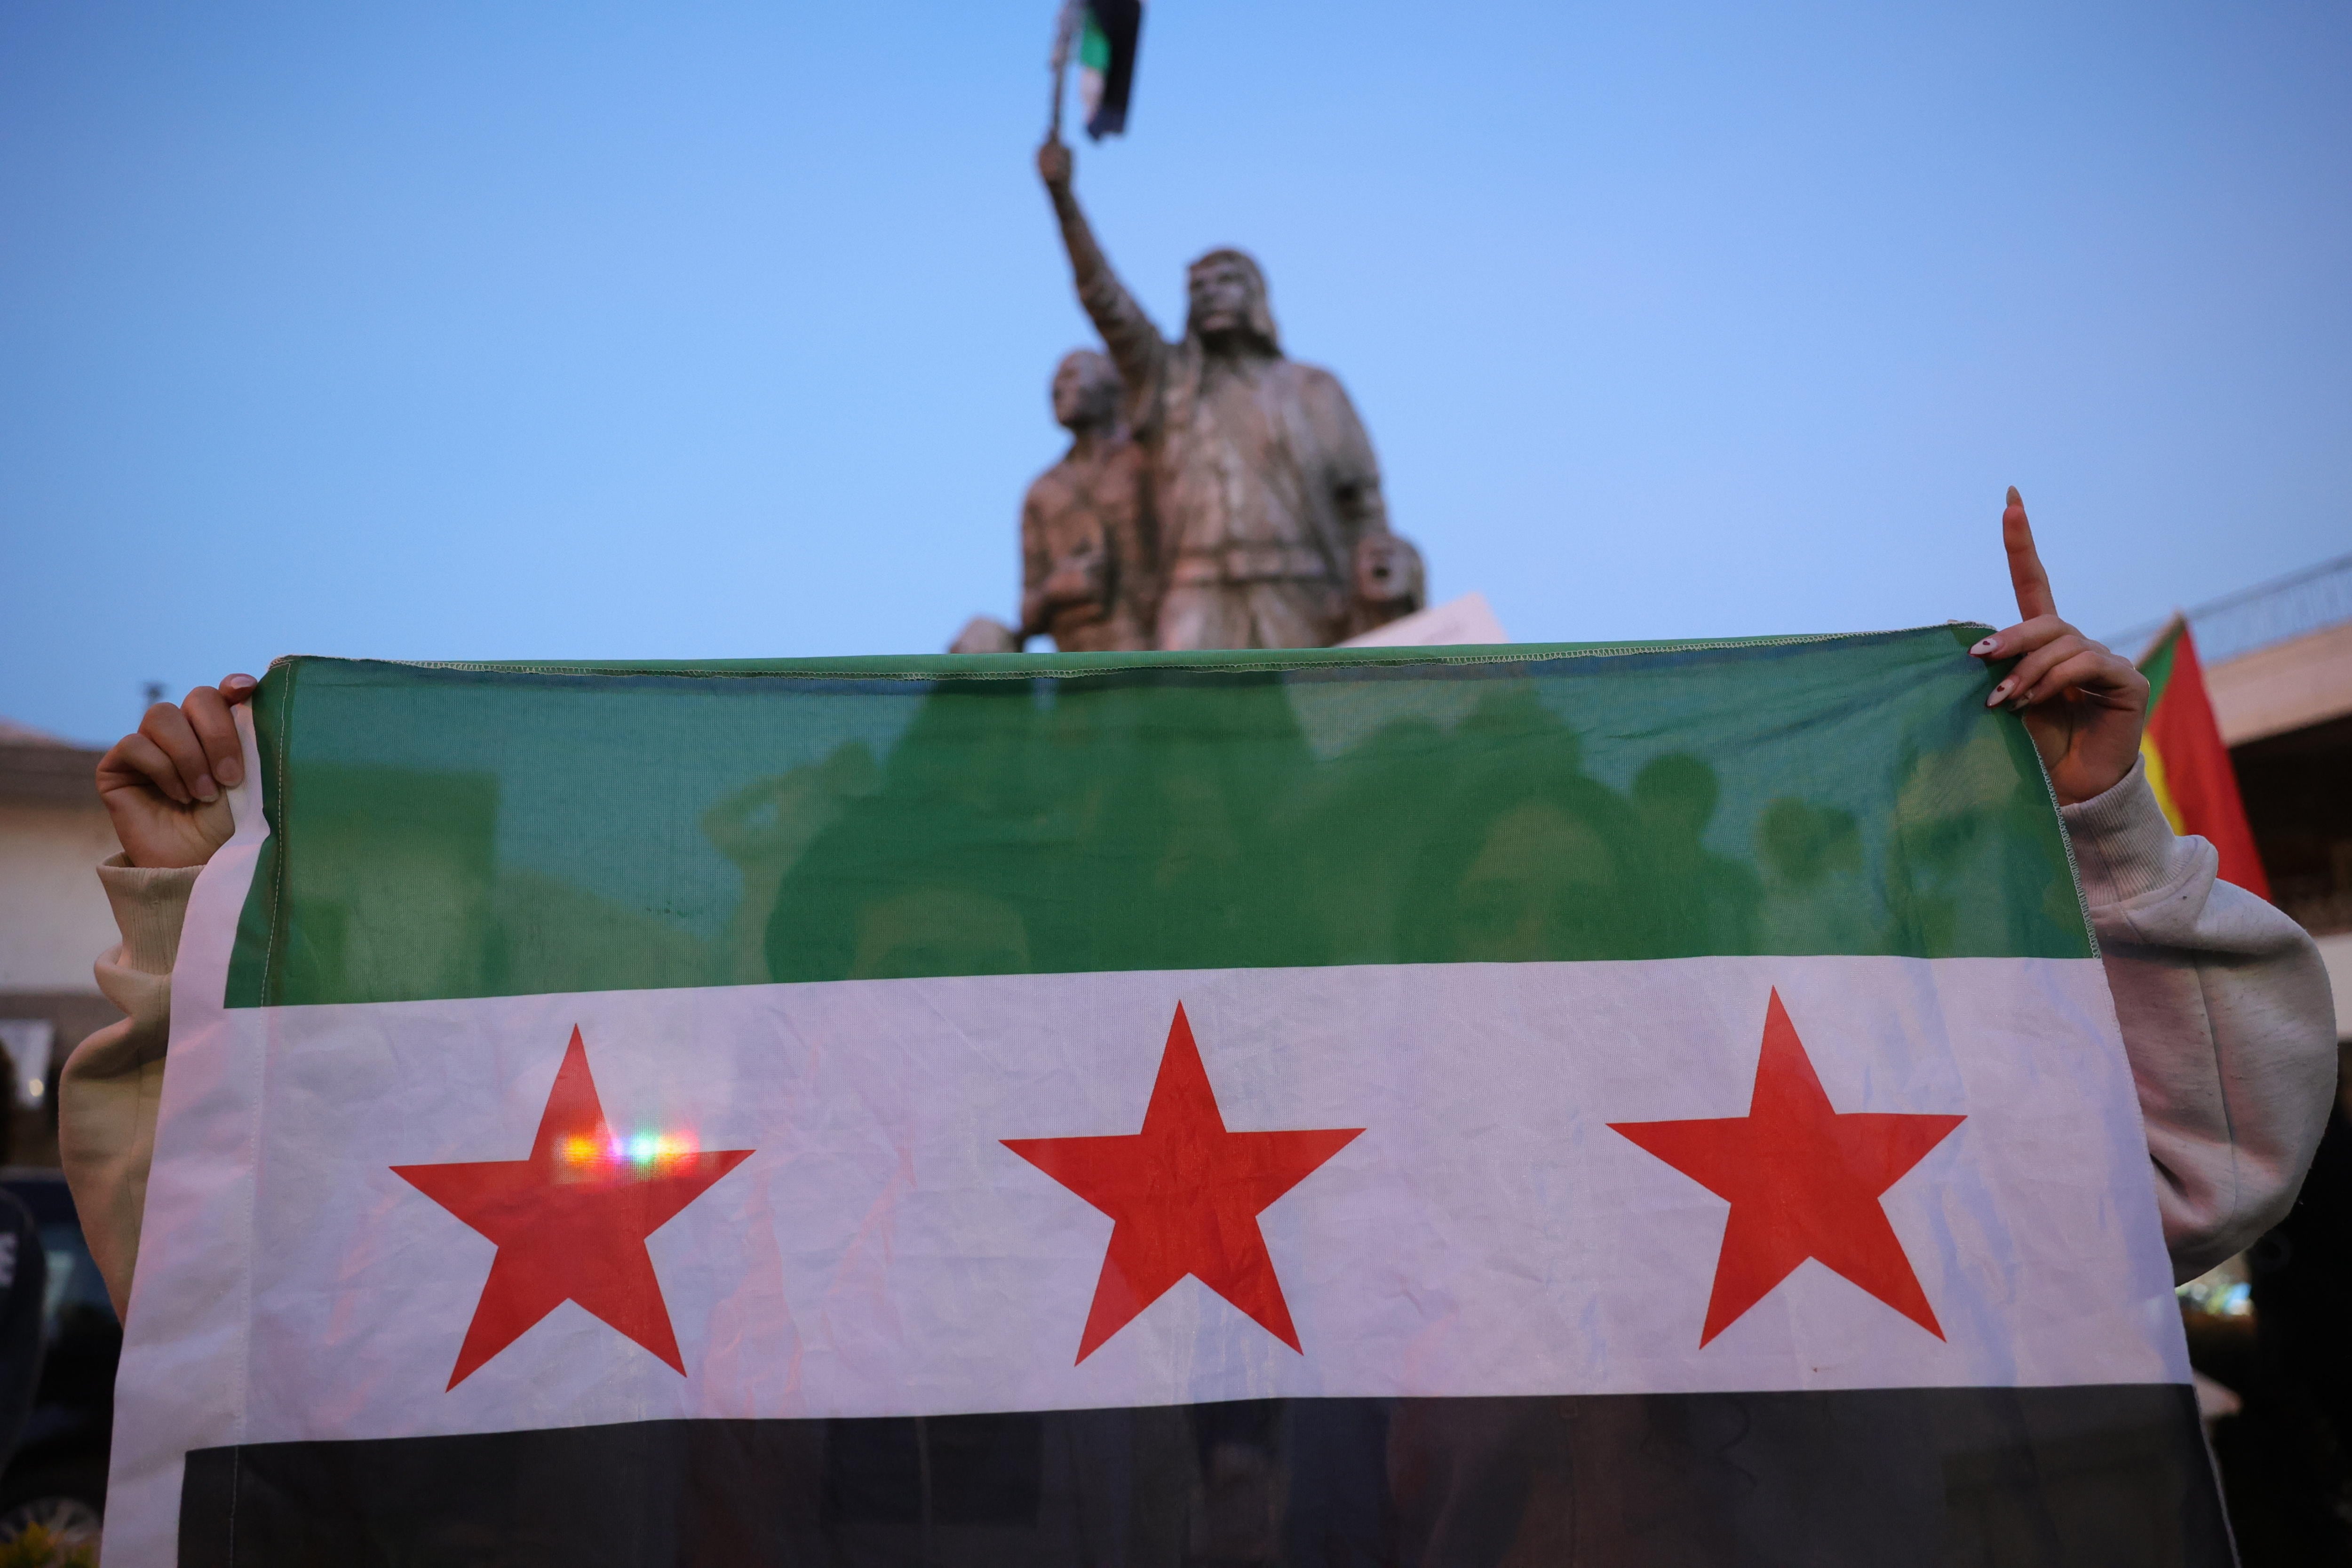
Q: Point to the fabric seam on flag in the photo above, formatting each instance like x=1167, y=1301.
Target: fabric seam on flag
x=276, y=804
x=1518, y=653
x=259, y=1099
x=2066, y=843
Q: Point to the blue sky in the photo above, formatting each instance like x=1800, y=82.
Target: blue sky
x=493, y=331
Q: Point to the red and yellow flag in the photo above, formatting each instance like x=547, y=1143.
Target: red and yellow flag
x=2187, y=763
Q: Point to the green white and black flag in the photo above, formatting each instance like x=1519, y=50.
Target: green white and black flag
x=1109, y=31
x=1534, y=1104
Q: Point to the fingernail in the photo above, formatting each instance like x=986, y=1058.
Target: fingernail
x=1998, y=693
x=245, y=682
x=231, y=772
x=1985, y=647
x=207, y=791
x=2014, y=499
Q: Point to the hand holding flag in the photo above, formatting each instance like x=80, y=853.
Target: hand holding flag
x=2083, y=704
x=1054, y=164
x=165, y=784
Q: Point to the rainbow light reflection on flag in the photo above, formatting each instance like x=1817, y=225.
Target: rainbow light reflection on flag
x=647, y=1151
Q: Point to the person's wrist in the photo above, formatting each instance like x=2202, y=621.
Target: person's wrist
x=150, y=859
x=2111, y=768
x=138, y=854
x=186, y=850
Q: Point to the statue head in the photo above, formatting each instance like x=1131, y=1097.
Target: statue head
x=1388, y=575
x=1086, y=391
x=1225, y=296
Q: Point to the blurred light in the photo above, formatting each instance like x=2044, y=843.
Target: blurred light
x=647, y=1152
x=2223, y=1291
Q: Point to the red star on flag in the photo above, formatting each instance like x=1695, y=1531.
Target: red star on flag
x=1184, y=1197
x=1803, y=1181
x=571, y=1221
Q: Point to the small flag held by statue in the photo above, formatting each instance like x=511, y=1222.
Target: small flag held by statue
x=1105, y=33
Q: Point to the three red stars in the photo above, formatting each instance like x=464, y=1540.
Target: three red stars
x=571, y=1221
x=1803, y=1181
x=1183, y=1194
x=1184, y=1197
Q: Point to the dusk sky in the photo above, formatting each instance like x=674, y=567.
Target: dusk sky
x=509, y=331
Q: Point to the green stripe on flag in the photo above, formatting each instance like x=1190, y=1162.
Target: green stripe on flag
x=452, y=831
x=2158, y=664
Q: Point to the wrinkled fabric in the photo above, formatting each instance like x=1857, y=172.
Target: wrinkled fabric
x=2225, y=1004
x=1489, y=917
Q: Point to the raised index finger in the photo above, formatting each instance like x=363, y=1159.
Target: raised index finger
x=2025, y=572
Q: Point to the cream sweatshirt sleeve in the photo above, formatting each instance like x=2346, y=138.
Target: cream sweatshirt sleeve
x=2227, y=1018
x=108, y=1093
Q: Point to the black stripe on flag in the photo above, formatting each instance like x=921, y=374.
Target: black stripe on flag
x=2114, y=1474
x=1121, y=23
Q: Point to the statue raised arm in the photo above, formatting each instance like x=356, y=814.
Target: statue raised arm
x=1263, y=483
x=1130, y=335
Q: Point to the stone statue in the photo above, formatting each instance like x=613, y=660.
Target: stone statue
x=1087, y=556
x=1389, y=583
x=985, y=633
x=1262, y=480
x=1088, y=552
